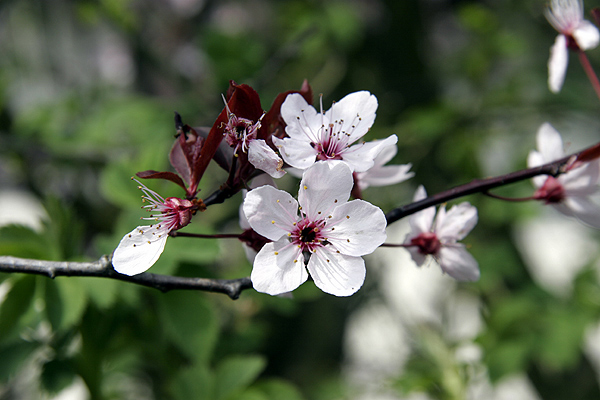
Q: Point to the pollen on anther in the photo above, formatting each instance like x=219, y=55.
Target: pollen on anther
x=278, y=200
x=337, y=251
x=335, y=201
x=295, y=261
x=276, y=253
x=305, y=187
x=319, y=212
x=273, y=222
x=289, y=234
x=348, y=240
x=149, y=242
x=347, y=217
x=134, y=245
x=327, y=260
x=129, y=235
x=294, y=224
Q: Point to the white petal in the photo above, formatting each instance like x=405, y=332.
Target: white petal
x=457, y=262
x=335, y=273
x=583, y=209
x=535, y=159
x=582, y=181
x=386, y=155
x=586, y=35
x=418, y=257
x=421, y=221
x=324, y=186
x=260, y=180
x=271, y=212
x=383, y=176
x=557, y=64
x=456, y=223
x=355, y=114
x=360, y=230
x=361, y=157
x=139, y=250
x=264, y=158
x=302, y=120
x=278, y=268
x=297, y=153
x=549, y=143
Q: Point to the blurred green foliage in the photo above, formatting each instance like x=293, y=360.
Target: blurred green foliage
x=87, y=94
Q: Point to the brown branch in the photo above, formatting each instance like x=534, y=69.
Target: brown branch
x=233, y=287
x=554, y=168
x=103, y=269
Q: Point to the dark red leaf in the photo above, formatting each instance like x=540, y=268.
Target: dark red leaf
x=589, y=154
x=272, y=123
x=169, y=176
x=243, y=102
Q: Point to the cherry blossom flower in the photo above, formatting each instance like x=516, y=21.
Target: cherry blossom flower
x=241, y=134
x=328, y=237
x=252, y=242
x=328, y=136
x=382, y=175
x=576, y=33
x=140, y=248
x=438, y=237
x=569, y=193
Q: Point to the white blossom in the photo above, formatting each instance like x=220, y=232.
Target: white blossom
x=438, y=237
x=141, y=248
x=328, y=136
x=566, y=16
x=328, y=236
x=569, y=193
x=382, y=175
x=241, y=135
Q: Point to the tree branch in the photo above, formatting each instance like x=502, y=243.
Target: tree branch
x=103, y=269
x=233, y=287
x=554, y=168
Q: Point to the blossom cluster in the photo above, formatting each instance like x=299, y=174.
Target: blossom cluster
x=324, y=233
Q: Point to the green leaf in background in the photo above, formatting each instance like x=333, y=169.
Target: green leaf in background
x=21, y=241
x=57, y=375
x=191, y=322
x=196, y=383
x=274, y=389
x=18, y=301
x=13, y=355
x=562, y=337
x=235, y=373
x=65, y=301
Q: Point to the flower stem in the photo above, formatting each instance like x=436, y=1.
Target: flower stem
x=202, y=236
x=587, y=67
x=513, y=199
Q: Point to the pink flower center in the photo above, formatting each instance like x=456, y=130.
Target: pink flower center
x=332, y=144
x=308, y=235
x=428, y=243
x=239, y=132
x=177, y=212
x=552, y=191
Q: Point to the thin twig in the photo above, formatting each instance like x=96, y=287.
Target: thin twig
x=233, y=287
x=103, y=269
x=554, y=168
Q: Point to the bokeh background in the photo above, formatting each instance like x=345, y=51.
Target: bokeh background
x=87, y=94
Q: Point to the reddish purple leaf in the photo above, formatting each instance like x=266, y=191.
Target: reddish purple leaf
x=169, y=176
x=272, y=123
